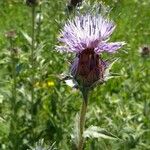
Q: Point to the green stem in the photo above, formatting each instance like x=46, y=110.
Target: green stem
x=32, y=57
x=82, y=119
x=13, y=127
x=14, y=81
x=39, y=25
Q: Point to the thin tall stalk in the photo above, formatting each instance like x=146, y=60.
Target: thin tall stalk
x=82, y=119
x=14, y=84
x=32, y=57
x=39, y=22
x=13, y=126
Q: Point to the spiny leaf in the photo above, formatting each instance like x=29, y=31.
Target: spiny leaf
x=107, y=72
x=41, y=146
x=27, y=37
x=76, y=131
x=97, y=132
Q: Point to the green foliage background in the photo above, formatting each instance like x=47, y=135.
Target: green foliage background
x=121, y=106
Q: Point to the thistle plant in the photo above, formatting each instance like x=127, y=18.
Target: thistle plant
x=11, y=35
x=87, y=36
x=32, y=4
x=32, y=51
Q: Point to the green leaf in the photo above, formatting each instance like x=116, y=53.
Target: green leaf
x=40, y=145
x=97, y=132
x=76, y=131
x=108, y=75
x=27, y=37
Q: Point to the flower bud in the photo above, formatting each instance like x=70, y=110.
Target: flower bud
x=32, y=2
x=145, y=51
x=73, y=3
x=11, y=34
x=88, y=68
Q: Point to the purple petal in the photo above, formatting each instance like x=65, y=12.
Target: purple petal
x=107, y=29
x=74, y=66
x=109, y=47
x=88, y=31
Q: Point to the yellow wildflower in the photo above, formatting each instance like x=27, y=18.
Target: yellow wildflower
x=50, y=83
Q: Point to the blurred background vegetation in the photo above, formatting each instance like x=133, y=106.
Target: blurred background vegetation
x=121, y=105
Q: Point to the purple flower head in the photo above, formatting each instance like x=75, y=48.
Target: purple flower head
x=87, y=36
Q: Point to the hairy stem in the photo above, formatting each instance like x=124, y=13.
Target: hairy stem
x=82, y=119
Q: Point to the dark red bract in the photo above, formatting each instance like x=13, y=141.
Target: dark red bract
x=90, y=68
x=31, y=2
